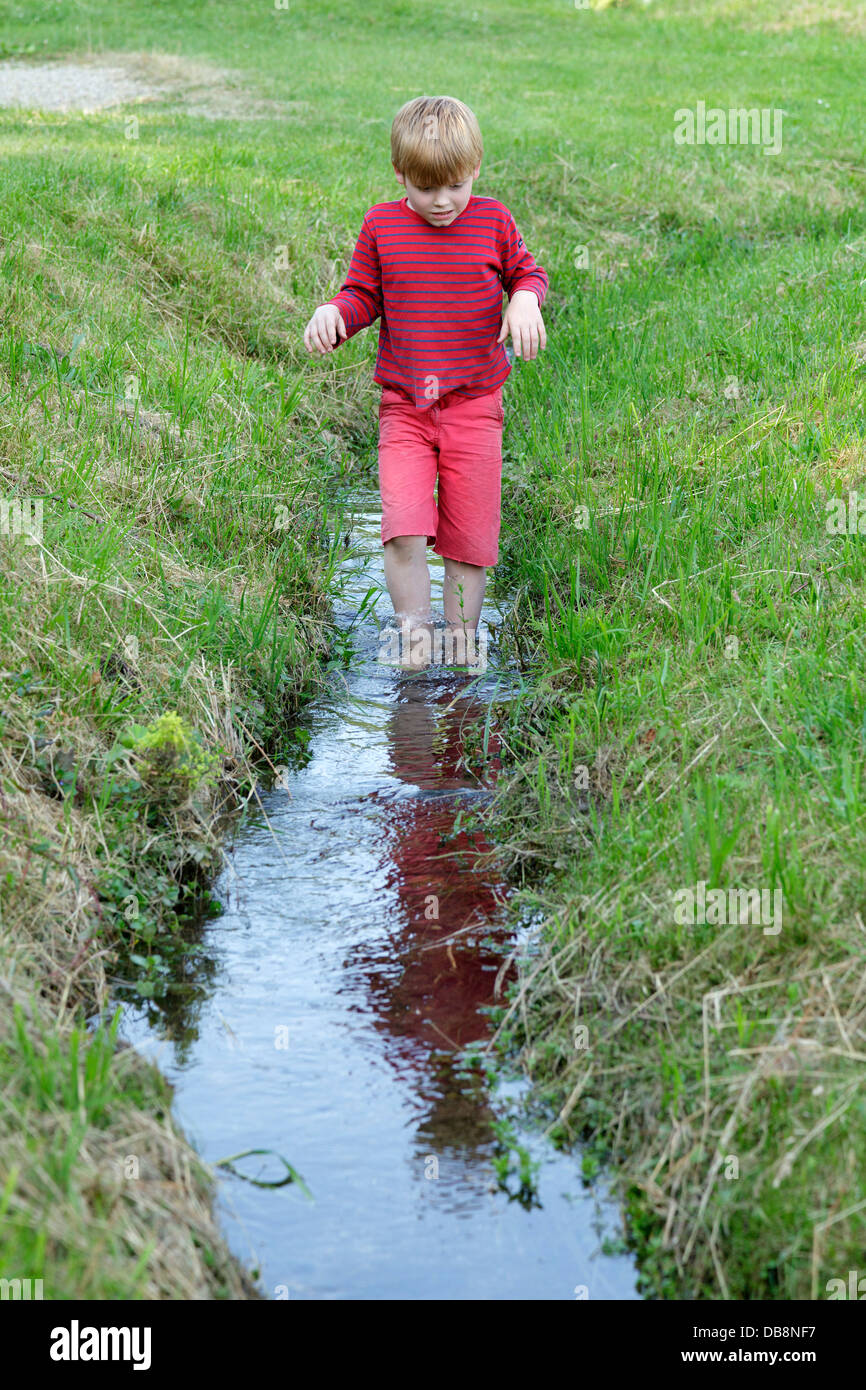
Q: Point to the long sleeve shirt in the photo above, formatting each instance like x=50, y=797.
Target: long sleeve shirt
x=438, y=294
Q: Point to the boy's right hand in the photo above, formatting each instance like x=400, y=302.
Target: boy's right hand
x=320, y=334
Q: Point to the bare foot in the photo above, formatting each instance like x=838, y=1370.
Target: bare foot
x=461, y=646
x=410, y=641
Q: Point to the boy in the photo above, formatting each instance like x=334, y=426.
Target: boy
x=433, y=266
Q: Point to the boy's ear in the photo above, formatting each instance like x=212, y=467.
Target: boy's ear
x=399, y=177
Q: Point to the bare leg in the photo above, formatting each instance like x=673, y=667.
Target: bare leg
x=463, y=594
x=408, y=580
x=407, y=576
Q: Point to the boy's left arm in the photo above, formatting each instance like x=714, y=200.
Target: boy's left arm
x=526, y=285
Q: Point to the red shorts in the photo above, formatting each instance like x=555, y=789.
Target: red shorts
x=460, y=438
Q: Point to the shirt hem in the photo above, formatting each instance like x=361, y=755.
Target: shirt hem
x=460, y=391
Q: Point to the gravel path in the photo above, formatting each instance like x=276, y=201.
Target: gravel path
x=68, y=86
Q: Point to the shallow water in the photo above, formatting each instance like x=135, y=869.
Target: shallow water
x=336, y=1003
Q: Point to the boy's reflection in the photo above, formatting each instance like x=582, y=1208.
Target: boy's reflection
x=437, y=975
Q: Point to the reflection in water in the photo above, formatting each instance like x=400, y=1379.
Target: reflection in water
x=176, y=1012
x=363, y=921
x=434, y=976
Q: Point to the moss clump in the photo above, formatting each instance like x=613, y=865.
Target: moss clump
x=172, y=764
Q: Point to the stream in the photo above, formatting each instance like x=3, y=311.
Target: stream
x=361, y=936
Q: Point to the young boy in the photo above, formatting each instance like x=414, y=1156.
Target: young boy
x=432, y=266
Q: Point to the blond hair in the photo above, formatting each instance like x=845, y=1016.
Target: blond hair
x=435, y=140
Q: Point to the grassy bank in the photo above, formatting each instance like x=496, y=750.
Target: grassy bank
x=696, y=632
x=693, y=630
x=167, y=558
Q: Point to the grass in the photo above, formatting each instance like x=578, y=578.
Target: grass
x=698, y=709
x=691, y=630
x=175, y=607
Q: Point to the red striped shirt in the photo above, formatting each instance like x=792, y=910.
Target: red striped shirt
x=438, y=293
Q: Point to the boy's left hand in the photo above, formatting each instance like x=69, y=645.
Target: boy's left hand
x=522, y=319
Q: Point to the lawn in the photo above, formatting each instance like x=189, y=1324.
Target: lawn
x=688, y=591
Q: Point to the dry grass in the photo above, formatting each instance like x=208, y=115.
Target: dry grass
x=131, y=1213
x=815, y=1047
x=768, y=16
x=160, y=584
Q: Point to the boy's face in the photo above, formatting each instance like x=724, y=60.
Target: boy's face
x=438, y=206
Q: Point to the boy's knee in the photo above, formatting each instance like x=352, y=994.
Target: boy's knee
x=457, y=570
x=406, y=547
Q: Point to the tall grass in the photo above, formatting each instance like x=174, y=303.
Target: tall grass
x=698, y=709
x=693, y=652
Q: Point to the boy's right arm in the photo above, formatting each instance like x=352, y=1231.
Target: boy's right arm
x=357, y=304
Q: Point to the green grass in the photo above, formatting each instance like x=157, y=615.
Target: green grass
x=699, y=708
x=695, y=649
x=153, y=400
x=95, y=1178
